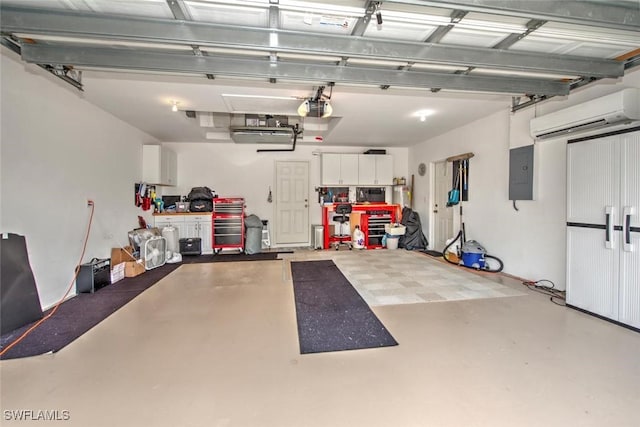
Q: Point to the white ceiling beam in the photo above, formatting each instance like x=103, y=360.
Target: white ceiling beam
x=127, y=59
x=85, y=25
x=608, y=14
x=179, y=10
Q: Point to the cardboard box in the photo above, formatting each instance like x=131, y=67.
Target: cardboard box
x=133, y=268
x=354, y=219
x=117, y=272
x=120, y=255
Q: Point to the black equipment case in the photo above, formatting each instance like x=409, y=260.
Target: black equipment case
x=190, y=246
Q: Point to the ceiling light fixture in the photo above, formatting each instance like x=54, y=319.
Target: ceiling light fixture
x=423, y=114
x=174, y=106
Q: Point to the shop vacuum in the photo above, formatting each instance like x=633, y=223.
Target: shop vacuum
x=471, y=254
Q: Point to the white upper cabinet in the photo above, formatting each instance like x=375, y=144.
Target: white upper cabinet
x=357, y=169
x=375, y=169
x=159, y=165
x=339, y=169
x=366, y=169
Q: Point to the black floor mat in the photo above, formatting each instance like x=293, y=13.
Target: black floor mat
x=230, y=257
x=331, y=315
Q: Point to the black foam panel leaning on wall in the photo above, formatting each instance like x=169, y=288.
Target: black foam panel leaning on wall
x=19, y=301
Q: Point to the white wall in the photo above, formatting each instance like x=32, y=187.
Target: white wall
x=531, y=241
x=238, y=170
x=58, y=151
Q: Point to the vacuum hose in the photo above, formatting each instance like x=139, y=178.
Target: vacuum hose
x=485, y=268
x=444, y=251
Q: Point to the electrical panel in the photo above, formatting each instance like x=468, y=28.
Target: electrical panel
x=521, y=173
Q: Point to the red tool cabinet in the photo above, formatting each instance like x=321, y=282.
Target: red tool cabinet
x=373, y=217
x=228, y=224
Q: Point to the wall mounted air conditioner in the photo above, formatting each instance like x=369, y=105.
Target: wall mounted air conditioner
x=616, y=108
x=261, y=135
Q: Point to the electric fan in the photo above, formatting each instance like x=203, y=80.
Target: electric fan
x=138, y=236
x=155, y=252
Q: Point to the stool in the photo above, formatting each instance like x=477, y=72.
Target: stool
x=343, y=210
x=266, y=239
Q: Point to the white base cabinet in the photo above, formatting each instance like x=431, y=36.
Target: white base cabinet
x=177, y=221
x=189, y=225
x=200, y=226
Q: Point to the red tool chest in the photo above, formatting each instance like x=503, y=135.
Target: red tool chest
x=228, y=224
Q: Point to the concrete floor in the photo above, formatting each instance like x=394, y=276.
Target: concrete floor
x=216, y=345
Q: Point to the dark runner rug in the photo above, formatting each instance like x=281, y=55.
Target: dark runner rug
x=79, y=314
x=331, y=315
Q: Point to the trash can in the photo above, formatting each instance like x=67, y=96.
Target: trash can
x=392, y=241
x=318, y=236
x=392, y=234
x=253, y=235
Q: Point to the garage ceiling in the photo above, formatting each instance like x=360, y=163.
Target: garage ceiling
x=371, y=56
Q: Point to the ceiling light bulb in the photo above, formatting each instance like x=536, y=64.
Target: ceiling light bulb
x=174, y=107
x=423, y=118
x=328, y=110
x=303, y=109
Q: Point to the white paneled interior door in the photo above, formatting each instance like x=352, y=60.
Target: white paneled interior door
x=292, y=202
x=443, y=216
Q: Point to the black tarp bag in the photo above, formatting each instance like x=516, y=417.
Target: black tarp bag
x=414, y=238
x=201, y=193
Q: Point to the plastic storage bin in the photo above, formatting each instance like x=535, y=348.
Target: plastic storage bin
x=395, y=229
